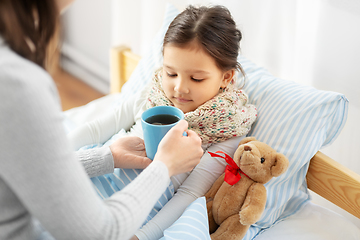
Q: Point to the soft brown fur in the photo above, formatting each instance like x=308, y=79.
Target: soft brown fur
x=232, y=209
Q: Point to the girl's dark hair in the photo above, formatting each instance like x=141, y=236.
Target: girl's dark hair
x=213, y=28
x=28, y=26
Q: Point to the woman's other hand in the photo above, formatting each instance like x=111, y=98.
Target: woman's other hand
x=179, y=153
x=129, y=152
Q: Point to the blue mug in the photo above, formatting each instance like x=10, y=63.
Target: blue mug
x=156, y=122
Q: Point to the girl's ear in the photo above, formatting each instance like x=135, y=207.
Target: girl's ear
x=227, y=77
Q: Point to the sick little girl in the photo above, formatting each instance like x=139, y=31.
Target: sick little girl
x=200, y=53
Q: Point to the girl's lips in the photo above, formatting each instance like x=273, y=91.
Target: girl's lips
x=182, y=100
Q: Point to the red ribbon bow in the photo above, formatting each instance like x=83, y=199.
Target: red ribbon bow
x=232, y=171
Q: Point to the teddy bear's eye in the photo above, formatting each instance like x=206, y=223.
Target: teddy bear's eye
x=262, y=160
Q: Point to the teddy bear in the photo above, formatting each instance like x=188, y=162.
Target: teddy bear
x=237, y=198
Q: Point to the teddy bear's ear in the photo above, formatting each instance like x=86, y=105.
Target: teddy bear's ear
x=246, y=140
x=280, y=166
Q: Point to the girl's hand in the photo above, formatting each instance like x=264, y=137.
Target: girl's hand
x=134, y=238
x=129, y=152
x=179, y=153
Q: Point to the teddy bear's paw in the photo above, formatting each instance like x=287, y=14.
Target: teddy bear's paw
x=230, y=229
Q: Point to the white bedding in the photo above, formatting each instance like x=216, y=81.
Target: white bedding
x=310, y=222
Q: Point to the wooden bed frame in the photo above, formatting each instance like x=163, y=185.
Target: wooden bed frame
x=325, y=176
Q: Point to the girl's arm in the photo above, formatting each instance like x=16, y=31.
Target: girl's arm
x=196, y=185
x=102, y=129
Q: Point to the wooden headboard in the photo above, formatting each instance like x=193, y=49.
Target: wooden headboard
x=122, y=64
x=325, y=176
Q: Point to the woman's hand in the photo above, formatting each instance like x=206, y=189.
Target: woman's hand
x=134, y=238
x=179, y=153
x=129, y=152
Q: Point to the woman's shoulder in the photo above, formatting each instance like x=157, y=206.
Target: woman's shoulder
x=25, y=85
x=19, y=75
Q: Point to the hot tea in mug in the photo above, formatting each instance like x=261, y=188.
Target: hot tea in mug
x=162, y=119
x=156, y=122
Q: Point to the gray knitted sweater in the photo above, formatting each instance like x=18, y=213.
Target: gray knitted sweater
x=42, y=180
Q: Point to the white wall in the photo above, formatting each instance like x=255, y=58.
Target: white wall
x=86, y=41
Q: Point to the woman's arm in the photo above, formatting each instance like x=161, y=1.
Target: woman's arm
x=38, y=165
x=196, y=185
x=125, y=152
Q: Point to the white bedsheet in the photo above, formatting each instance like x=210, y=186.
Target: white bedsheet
x=312, y=222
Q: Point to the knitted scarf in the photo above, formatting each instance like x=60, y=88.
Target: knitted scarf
x=222, y=117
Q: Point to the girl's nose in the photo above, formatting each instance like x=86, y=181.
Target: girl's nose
x=181, y=85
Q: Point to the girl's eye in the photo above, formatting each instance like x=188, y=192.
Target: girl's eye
x=196, y=80
x=171, y=75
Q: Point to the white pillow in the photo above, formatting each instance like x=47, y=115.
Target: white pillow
x=297, y=121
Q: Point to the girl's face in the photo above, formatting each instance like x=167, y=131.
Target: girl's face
x=191, y=76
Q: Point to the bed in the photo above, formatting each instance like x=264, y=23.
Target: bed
x=325, y=176
x=309, y=120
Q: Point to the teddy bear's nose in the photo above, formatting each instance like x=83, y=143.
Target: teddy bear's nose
x=247, y=148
